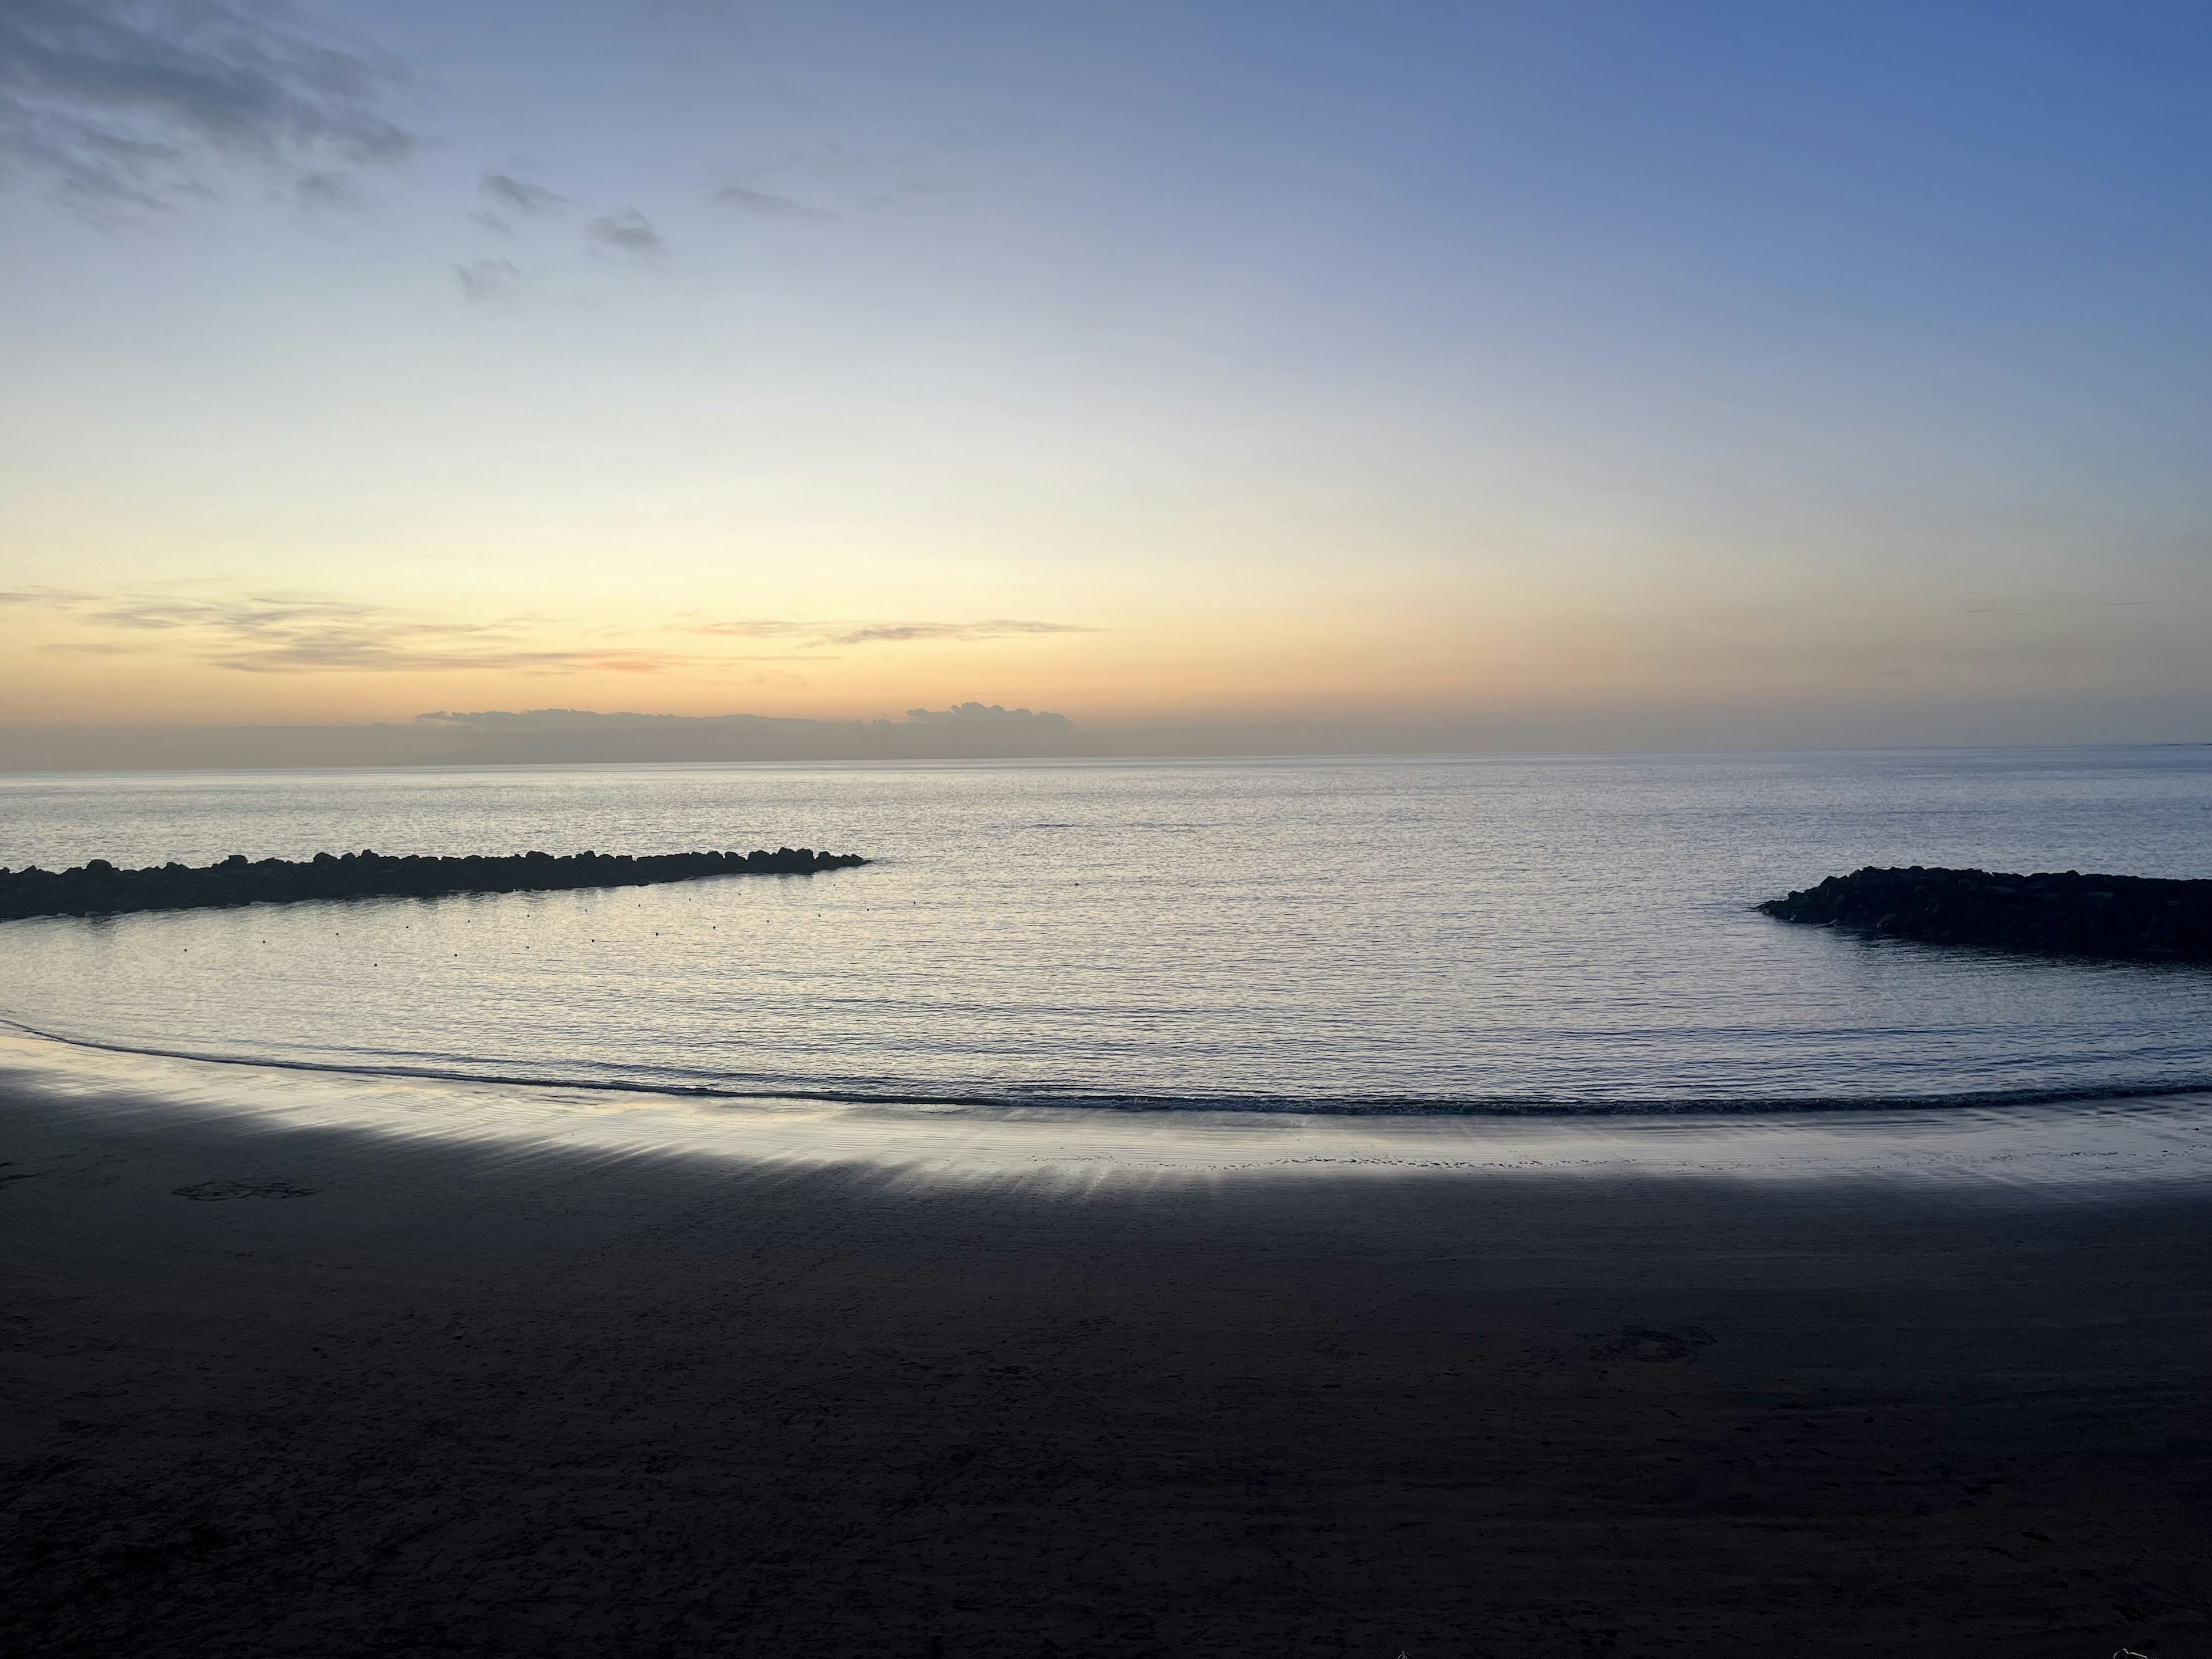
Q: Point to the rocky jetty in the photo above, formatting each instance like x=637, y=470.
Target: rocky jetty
x=98, y=888
x=2133, y=916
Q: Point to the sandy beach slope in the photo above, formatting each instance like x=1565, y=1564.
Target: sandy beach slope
x=290, y=1391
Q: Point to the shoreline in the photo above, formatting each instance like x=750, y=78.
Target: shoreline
x=1375, y=1108
x=284, y=1377
x=2065, y=1148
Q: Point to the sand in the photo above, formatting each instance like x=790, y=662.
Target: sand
x=279, y=1391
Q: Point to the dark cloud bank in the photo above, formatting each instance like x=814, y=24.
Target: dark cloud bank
x=979, y=732
x=969, y=731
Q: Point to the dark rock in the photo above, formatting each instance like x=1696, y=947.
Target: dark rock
x=2128, y=916
x=97, y=888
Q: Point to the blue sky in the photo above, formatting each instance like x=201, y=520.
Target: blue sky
x=1692, y=373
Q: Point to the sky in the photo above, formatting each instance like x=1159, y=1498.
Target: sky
x=1599, y=374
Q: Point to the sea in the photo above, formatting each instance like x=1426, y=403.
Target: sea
x=1481, y=936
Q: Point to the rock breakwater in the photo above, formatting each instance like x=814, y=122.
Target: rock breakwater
x=98, y=888
x=2131, y=916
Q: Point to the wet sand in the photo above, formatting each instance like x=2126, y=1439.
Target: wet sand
x=281, y=1390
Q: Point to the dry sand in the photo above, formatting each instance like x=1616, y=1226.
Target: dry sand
x=291, y=1392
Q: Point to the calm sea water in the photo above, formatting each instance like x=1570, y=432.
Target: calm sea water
x=1431, y=935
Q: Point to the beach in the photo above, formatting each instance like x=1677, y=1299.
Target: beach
x=1105, y=832
x=281, y=1388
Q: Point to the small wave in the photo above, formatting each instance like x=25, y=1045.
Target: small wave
x=1020, y=1098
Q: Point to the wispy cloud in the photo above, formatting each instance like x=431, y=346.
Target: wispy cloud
x=627, y=232
x=506, y=191
x=291, y=633
x=317, y=188
x=280, y=633
x=126, y=103
x=767, y=204
x=824, y=181
x=487, y=279
x=881, y=633
x=876, y=633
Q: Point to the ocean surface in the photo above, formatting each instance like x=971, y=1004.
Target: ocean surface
x=1440, y=935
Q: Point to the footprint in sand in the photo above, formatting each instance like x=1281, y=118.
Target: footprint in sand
x=1656, y=1348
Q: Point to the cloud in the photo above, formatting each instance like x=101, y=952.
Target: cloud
x=488, y=279
x=857, y=180
x=316, y=188
x=281, y=634
x=627, y=232
x=767, y=204
x=125, y=103
x=882, y=633
x=976, y=714
x=507, y=192
x=875, y=633
x=969, y=716
x=263, y=632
